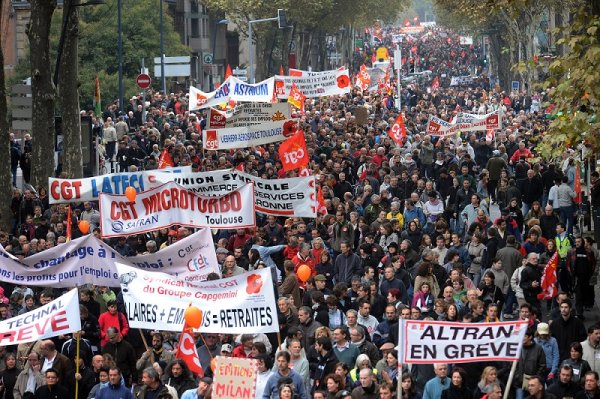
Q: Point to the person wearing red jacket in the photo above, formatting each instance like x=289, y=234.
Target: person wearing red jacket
x=522, y=151
x=112, y=318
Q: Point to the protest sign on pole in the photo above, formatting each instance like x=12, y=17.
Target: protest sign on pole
x=248, y=114
x=172, y=204
x=58, y=317
x=235, y=378
x=88, y=260
x=464, y=123
x=248, y=136
x=426, y=341
x=88, y=189
x=234, y=305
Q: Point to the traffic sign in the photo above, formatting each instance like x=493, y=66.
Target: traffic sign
x=143, y=81
x=207, y=58
x=515, y=84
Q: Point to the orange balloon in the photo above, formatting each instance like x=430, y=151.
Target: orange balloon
x=130, y=193
x=193, y=316
x=213, y=364
x=84, y=226
x=304, y=273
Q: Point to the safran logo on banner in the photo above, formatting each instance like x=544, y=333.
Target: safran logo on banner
x=117, y=226
x=255, y=283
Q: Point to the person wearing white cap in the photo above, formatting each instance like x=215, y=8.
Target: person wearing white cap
x=550, y=347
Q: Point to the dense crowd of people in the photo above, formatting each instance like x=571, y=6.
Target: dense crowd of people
x=455, y=228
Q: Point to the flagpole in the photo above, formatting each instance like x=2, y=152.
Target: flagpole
x=78, y=334
x=146, y=344
x=510, y=379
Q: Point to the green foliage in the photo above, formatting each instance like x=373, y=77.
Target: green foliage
x=573, y=87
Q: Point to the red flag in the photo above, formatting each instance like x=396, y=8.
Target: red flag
x=186, y=350
x=297, y=98
x=240, y=167
x=293, y=153
x=321, y=206
x=165, y=160
x=281, y=73
x=398, y=130
x=435, y=85
x=373, y=59
x=578, y=198
x=69, y=228
x=228, y=72
x=490, y=134
x=549, y=279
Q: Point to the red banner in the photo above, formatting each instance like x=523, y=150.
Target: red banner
x=296, y=97
x=186, y=350
x=578, y=194
x=165, y=160
x=398, y=130
x=549, y=279
x=435, y=85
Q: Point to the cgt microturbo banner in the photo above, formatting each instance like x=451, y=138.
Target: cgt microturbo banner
x=234, y=305
x=172, y=204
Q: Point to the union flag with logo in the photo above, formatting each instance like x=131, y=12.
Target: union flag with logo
x=186, y=350
x=398, y=131
x=293, y=153
x=296, y=97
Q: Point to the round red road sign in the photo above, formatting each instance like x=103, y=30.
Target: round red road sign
x=143, y=81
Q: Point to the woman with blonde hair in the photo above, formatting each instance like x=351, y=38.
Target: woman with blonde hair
x=489, y=377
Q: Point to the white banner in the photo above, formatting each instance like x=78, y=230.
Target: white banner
x=428, y=342
x=232, y=89
x=59, y=317
x=234, y=305
x=462, y=80
x=314, y=84
x=291, y=197
x=88, y=260
x=248, y=114
x=464, y=123
x=171, y=204
x=87, y=189
x=248, y=136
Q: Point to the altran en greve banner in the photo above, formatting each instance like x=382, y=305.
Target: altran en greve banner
x=172, y=204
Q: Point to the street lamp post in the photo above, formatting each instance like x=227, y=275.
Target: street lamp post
x=214, y=49
x=120, y=52
x=162, y=50
x=280, y=18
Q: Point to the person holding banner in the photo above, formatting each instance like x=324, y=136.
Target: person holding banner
x=532, y=362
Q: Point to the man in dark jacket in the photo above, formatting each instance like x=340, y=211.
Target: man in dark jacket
x=532, y=361
x=153, y=387
x=347, y=264
x=564, y=387
x=123, y=354
x=326, y=361
x=52, y=389
x=531, y=189
x=567, y=329
x=531, y=278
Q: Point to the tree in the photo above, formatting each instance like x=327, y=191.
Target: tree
x=5, y=173
x=68, y=93
x=573, y=85
x=42, y=91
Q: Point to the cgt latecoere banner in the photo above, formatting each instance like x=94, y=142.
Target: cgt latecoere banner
x=171, y=204
x=234, y=305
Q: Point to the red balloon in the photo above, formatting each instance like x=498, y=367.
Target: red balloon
x=304, y=273
x=193, y=316
x=84, y=226
x=130, y=193
x=213, y=364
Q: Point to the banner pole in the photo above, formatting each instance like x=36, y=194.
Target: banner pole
x=78, y=334
x=146, y=344
x=513, y=368
x=399, y=382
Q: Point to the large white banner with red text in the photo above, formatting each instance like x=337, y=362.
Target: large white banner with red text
x=89, y=260
x=428, y=341
x=236, y=305
x=172, y=204
x=464, y=123
x=248, y=114
x=88, y=189
x=59, y=317
x=314, y=84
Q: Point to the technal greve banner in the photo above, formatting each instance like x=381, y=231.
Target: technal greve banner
x=172, y=204
x=234, y=305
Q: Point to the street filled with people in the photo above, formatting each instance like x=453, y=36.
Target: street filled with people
x=463, y=228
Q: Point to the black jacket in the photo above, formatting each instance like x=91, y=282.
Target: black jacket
x=566, y=332
x=561, y=390
x=454, y=392
x=56, y=392
x=325, y=365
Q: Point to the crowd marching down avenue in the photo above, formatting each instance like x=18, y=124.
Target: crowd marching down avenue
x=389, y=229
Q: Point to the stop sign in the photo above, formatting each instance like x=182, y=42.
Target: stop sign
x=143, y=81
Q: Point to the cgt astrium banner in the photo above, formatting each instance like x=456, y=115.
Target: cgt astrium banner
x=172, y=204
x=235, y=305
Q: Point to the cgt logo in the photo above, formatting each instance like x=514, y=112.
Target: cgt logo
x=212, y=143
x=255, y=283
x=200, y=100
x=434, y=127
x=197, y=263
x=294, y=156
x=492, y=120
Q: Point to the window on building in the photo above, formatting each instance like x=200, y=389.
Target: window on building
x=195, y=28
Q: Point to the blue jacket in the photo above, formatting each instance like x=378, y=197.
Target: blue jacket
x=271, y=391
x=415, y=213
x=550, y=347
x=114, y=392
